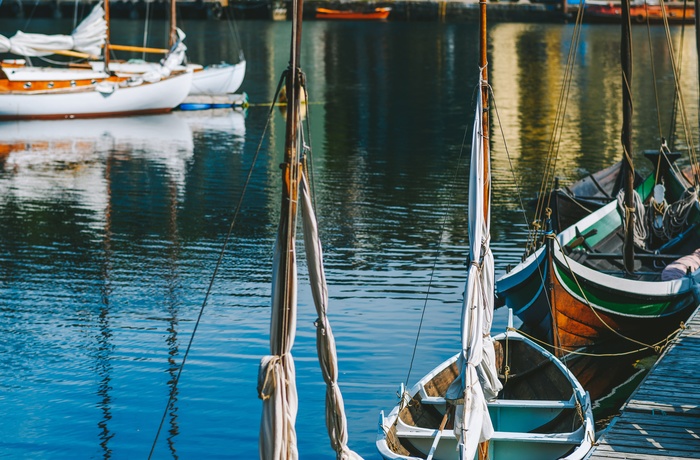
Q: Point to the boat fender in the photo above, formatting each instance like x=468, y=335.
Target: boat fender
x=106, y=88
x=658, y=205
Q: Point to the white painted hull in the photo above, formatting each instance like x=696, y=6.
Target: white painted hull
x=212, y=80
x=89, y=102
x=218, y=79
x=515, y=422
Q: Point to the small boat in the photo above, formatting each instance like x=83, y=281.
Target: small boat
x=543, y=412
x=498, y=398
x=640, y=12
x=376, y=13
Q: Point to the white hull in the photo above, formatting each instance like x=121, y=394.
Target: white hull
x=218, y=79
x=91, y=101
x=212, y=80
x=515, y=422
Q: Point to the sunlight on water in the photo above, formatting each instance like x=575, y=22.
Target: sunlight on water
x=111, y=230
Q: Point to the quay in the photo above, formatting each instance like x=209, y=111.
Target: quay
x=661, y=419
x=401, y=10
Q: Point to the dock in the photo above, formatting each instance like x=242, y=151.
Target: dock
x=661, y=419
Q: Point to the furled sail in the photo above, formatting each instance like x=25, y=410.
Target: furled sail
x=336, y=423
x=88, y=37
x=472, y=421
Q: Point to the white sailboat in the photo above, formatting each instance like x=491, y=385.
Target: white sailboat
x=43, y=93
x=497, y=398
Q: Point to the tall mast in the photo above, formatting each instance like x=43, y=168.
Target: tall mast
x=485, y=101
x=628, y=165
x=107, y=34
x=173, y=24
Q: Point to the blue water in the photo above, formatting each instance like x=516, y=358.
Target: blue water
x=110, y=230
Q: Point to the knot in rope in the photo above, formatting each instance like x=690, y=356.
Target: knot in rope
x=270, y=366
x=320, y=326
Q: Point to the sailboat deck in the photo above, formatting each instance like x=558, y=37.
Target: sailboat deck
x=661, y=420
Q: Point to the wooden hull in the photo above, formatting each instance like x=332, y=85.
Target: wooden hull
x=572, y=203
x=676, y=12
x=569, y=301
x=98, y=99
x=376, y=14
x=535, y=416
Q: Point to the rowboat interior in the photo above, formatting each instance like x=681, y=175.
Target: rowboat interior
x=538, y=414
x=602, y=250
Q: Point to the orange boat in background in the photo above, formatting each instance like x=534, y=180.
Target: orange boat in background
x=676, y=12
x=377, y=13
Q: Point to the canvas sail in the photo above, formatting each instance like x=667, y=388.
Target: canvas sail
x=472, y=421
x=89, y=37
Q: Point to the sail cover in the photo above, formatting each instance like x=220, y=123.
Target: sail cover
x=336, y=422
x=89, y=37
x=472, y=422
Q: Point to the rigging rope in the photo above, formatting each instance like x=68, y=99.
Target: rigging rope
x=544, y=198
x=239, y=205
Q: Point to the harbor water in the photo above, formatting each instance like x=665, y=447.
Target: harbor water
x=110, y=230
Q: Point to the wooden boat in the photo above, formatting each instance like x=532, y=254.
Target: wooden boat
x=376, y=13
x=574, y=292
x=542, y=412
x=641, y=12
x=498, y=398
x=593, y=282
x=276, y=377
x=571, y=203
x=41, y=92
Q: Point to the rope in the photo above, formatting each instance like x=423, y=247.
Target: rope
x=213, y=276
x=544, y=198
x=588, y=303
x=640, y=228
x=443, y=225
x=657, y=347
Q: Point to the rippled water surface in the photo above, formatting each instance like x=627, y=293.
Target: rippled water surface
x=110, y=229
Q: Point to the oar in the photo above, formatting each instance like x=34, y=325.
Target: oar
x=437, y=436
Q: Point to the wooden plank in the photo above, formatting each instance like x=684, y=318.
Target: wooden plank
x=661, y=420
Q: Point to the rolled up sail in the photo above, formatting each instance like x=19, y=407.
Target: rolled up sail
x=88, y=37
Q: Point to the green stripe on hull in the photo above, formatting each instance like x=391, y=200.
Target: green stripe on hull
x=625, y=303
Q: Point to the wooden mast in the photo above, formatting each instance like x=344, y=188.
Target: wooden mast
x=107, y=33
x=483, y=61
x=291, y=174
x=628, y=165
x=483, y=449
x=173, y=24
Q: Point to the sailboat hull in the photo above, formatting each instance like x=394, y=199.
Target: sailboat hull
x=542, y=412
x=218, y=79
x=96, y=100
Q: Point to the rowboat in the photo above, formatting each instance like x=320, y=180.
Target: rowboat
x=376, y=13
x=641, y=12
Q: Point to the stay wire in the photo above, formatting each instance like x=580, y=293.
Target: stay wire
x=449, y=205
x=653, y=75
x=216, y=268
